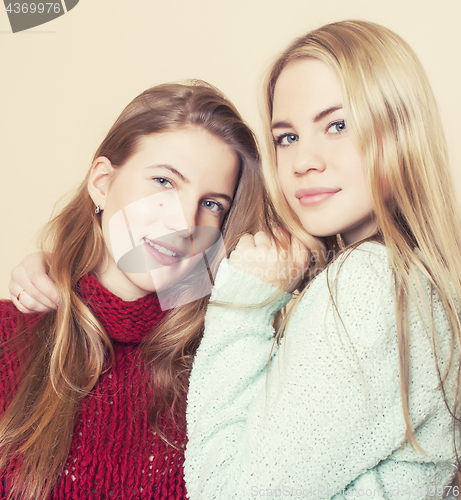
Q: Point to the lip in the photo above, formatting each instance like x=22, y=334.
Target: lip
x=161, y=258
x=315, y=195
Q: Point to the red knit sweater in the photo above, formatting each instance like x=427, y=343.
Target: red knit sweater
x=114, y=452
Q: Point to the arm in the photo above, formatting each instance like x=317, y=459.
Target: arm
x=331, y=409
x=37, y=291
x=219, y=396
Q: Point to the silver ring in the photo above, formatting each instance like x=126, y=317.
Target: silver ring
x=19, y=295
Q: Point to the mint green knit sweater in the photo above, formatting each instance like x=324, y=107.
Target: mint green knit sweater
x=325, y=420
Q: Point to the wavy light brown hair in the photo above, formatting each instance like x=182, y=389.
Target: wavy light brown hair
x=393, y=117
x=67, y=350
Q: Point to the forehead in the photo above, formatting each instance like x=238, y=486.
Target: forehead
x=306, y=82
x=193, y=152
x=184, y=133
x=187, y=144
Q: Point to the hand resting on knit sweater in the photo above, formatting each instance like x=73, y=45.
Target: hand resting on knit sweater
x=30, y=278
x=280, y=263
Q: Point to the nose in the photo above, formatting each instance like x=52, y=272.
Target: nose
x=184, y=218
x=308, y=156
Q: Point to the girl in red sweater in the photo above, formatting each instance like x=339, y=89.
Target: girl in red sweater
x=92, y=395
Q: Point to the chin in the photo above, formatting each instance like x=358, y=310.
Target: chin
x=144, y=282
x=319, y=231
x=166, y=279
x=157, y=280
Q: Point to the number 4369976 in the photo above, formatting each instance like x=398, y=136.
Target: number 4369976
x=33, y=8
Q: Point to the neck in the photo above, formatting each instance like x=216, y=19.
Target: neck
x=117, y=283
x=368, y=228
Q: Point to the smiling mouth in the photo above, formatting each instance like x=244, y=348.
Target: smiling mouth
x=161, y=249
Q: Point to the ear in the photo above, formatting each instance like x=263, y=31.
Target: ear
x=99, y=180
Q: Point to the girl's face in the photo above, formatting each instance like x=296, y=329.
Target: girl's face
x=162, y=208
x=320, y=170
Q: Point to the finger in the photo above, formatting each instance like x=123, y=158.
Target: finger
x=30, y=298
x=33, y=305
x=263, y=239
x=36, y=301
x=246, y=242
x=27, y=304
x=20, y=307
x=44, y=290
x=38, y=286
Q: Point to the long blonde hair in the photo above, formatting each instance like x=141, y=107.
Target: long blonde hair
x=394, y=119
x=67, y=350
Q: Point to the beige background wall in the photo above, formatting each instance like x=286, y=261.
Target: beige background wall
x=63, y=84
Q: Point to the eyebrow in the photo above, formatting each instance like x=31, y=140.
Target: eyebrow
x=172, y=170
x=327, y=112
x=184, y=179
x=317, y=118
x=223, y=196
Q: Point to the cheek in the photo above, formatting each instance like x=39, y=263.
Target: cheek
x=361, y=198
x=149, y=216
x=279, y=169
x=117, y=197
x=363, y=185
x=209, y=219
x=355, y=170
x=283, y=181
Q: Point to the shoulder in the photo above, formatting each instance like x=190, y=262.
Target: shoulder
x=360, y=274
x=354, y=297
x=362, y=278
x=369, y=260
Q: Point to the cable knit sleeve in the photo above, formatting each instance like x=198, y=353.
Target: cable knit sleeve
x=326, y=416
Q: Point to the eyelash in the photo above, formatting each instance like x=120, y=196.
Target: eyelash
x=278, y=140
x=159, y=179
x=220, y=207
x=335, y=123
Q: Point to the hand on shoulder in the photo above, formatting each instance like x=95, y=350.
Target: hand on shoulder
x=31, y=289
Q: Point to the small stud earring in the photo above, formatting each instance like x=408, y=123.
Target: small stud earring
x=98, y=209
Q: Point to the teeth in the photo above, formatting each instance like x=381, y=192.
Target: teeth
x=161, y=249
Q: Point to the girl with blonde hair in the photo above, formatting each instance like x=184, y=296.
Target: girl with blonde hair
x=361, y=394
x=93, y=394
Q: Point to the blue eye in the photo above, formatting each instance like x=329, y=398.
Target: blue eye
x=213, y=206
x=285, y=140
x=162, y=181
x=337, y=127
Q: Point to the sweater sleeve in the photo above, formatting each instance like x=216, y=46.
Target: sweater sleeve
x=229, y=370
x=328, y=409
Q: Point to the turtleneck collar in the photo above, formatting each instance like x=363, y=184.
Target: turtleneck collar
x=123, y=321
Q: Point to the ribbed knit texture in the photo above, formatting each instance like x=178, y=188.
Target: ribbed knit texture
x=114, y=453
x=325, y=420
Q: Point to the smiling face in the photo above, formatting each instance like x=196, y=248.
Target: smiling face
x=320, y=170
x=176, y=184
